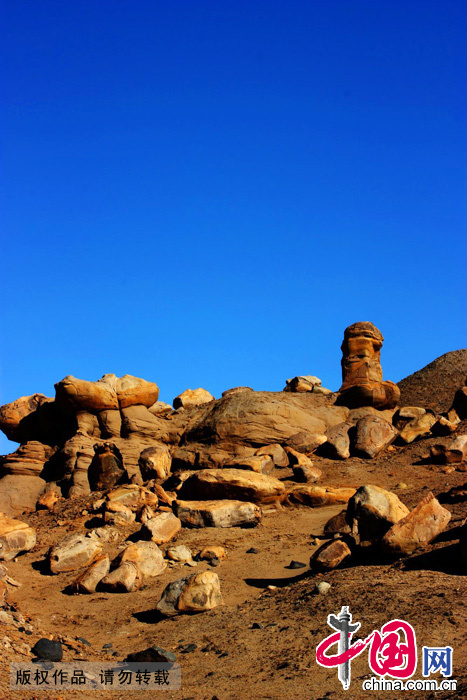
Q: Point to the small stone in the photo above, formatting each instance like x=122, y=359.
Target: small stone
x=162, y=528
x=153, y=654
x=212, y=552
x=252, y=550
x=401, y=486
x=48, y=650
x=189, y=648
x=84, y=641
x=322, y=587
x=296, y=565
x=272, y=588
x=329, y=556
x=109, y=645
x=180, y=553
x=256, y=626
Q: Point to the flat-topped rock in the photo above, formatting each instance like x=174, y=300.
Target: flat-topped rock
x=235, y=484
x=224, y=513
x=74, y=552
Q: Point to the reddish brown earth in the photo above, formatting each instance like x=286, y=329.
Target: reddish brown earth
x=277, y=662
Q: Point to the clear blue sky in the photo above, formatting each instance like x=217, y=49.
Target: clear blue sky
x=207, y=192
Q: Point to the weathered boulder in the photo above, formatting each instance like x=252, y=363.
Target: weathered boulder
x=211, y=552
x=155, y=462
x=88, y=580
x=372, y=435
x=73, y=552
x=261, y=464
x=196, y=593
x=225, y=513
x=315, y=496
x=302, y=383
x=140, y=423
x=454, y=452
x=162, y=528
x=306, y=475
x=72, y=394
x=237, y=484
x=132, y=391
x=18, y=419
x=106, y=469
x=132, y=496
x=406, y=414
x=337, y=445
x=181, y=553
x=329, y=556
x=297, y=458
x=118, y=514
x=372, y=511
x=262, y=418
x=15, y=537
x=419, y=427
x=49, y=498
x=304, y=442
x=362, y=375
x=277, y=453
x=160, y=408
x=110, y=423
x=337, y=525
x=418, y=528
x=139, y=563
x=192, y=397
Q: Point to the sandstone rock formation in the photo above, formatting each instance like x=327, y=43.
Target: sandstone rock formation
x=15, y=537
x=196, y=593
x=362, y=375
x=418, y=528
x=372, y=511
x=225, y=513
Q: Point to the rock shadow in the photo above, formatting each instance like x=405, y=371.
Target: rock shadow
x=149, y=617
x=444, y=559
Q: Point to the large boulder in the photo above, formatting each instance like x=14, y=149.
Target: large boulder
x=329, y=556
x=418, y=427
x=18, y=419
x=196, y=593
x=155, y=462
x=262, y=418
x=89, y=579
x=133, y=391
x=372, y=511
x=454, y=452
x=372, y=435
x=418, y=528
x=192, y=397
x=225, y=513
x=73, y=394
x=236, y=484
x=15, y=537
x=74, y=552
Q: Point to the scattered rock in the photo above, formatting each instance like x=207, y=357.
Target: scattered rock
x=224, y=513
x=151, y=655
x=196, y=593
x=296, y=565
x=118, y=514
x=329, y=556
x=306, y=475
x=418, y=528
x=277, y=453
x=155, y=462
x=337, y=445
x=322, y=587
x=87, y=581
x=74, y=552
x=316, y=496
x=180, y=553
x=337, y=525
x=261, y=464
x=47, y=650
x=15, y=537
x=162, y=528
x=419, y=427
x=406, y=414
x=252, y=550
x=372, y=511
x=453, y=453
x=139, y=563
x=373, y=434
x=49, y=499
x=256, y=626
x=212, y=552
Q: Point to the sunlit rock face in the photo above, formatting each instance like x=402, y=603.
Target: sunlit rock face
x=362, y=375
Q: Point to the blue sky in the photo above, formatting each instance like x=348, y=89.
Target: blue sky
x=207, y=193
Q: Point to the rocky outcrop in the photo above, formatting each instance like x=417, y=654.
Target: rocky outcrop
x=362, y=376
